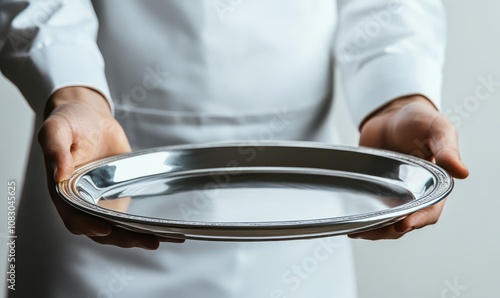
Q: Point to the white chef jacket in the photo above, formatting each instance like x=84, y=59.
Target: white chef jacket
x=190, y=71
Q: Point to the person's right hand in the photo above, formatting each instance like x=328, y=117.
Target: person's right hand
x=79, y=128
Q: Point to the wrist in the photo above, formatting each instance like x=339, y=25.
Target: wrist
x=398, y=104
x=78, y=95
x=405, y=100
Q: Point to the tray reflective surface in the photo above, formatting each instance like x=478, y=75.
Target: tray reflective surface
x=243, y=192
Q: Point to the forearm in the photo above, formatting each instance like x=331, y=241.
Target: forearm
x=390, y=49
x=46, y=46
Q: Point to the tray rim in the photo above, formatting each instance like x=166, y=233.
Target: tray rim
x=444, y=186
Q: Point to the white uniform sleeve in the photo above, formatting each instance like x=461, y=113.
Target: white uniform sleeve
x=390, y=48
x=49, y=44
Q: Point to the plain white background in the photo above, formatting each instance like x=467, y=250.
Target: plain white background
x=458, y=257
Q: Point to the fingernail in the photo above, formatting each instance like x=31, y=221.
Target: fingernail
x=99, y=233
x=142, y=245
x=408, y=230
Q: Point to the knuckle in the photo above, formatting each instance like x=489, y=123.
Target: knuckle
x=433, y=221
x=432, y=216
x=50, y=127
x=398, y=236
x=73, y=230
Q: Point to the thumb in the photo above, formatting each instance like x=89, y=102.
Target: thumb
x=443, y=142
x=55, y=138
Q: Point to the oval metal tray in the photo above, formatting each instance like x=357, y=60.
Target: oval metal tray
x=255, y=192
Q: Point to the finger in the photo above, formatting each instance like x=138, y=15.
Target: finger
x=80, y=223
x=172, y=240
x=55, y=138
x=417, y=220
x=128, y=239
x=382, y=233
x=443, y=142
x=420, y=219
x=76, y=221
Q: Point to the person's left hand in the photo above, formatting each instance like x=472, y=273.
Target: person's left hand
x=412, y=125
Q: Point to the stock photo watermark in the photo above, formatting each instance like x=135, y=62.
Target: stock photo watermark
x=278, y=123
x=118, y=283
x=202, y=197
x=299, y=272
x=11, y=234
x=225, y=7
x=452, y=289
x=153, y=78
x=29, y=22
x=485, y=89
x=364, y=34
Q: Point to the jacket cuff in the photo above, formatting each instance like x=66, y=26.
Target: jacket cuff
x=387, y=78
x=59, y=66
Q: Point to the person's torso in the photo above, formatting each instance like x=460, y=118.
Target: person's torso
x=191, y=72
x=229, y=67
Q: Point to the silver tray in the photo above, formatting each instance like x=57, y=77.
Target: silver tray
x=255, y=192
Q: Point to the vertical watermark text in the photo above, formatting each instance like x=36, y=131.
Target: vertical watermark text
x=11, y=234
